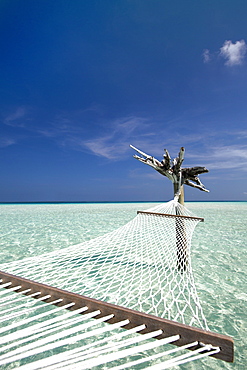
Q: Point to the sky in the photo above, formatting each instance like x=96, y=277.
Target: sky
x=82, y=80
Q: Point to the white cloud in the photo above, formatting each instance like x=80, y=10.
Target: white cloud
x=233, y=53
x=206, y=56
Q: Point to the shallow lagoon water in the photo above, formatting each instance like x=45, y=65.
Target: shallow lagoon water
x=218, y=252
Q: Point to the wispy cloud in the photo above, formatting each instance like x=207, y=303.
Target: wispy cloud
x=233, y=53
x=119, y=135
x=5, y=142
x=232, y=157
x=104, y=148
x=205, y=147
x=15, y=118
x=71, y=125
x=59, y=126
x=242, y=134
x=147, y=134
x=111, y=139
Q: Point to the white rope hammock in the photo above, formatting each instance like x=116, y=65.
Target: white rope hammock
x=144, y=266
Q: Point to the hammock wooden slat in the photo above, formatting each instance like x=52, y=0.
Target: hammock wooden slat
x=187, y=334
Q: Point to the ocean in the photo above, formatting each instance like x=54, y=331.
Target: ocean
x=218, y=253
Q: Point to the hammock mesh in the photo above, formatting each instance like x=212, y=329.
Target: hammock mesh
x=144, y=265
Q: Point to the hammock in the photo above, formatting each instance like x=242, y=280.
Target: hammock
x=143, y=266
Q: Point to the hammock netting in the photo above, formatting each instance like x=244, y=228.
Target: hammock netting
x=144, y=265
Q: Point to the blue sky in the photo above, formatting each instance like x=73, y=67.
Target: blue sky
x=81, y=80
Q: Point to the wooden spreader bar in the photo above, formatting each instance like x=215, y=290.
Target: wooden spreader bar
x=169, y=215
x=188, y=334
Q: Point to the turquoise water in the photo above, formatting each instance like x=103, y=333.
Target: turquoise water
x=218, y=252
